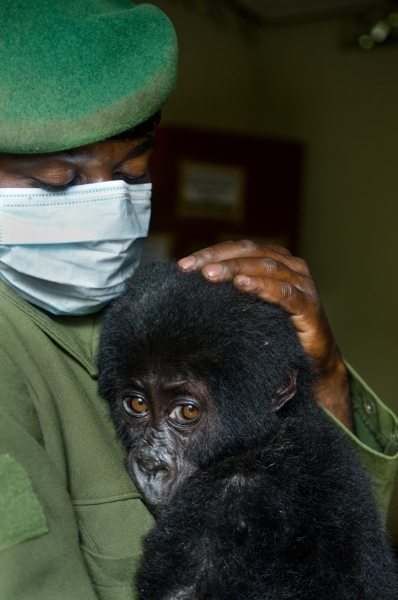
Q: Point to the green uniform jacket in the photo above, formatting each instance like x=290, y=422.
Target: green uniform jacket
x=71, y=521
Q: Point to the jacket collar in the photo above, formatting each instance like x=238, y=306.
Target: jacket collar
x=78, y=336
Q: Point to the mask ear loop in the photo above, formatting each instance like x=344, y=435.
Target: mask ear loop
x=140, y=129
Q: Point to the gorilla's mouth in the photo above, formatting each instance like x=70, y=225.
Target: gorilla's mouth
x=155, y=482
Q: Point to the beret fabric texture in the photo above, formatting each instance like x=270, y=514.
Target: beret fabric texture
x=79, y=71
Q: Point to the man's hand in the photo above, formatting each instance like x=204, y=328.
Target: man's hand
x=273, y=274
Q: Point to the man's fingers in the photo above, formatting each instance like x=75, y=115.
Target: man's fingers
x=228, y=250
x=212, y=254
x=279, y=249
x=245, y=249
x=257, y=268
x=287, y=295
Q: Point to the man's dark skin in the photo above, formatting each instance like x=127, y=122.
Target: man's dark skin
x=271, y=272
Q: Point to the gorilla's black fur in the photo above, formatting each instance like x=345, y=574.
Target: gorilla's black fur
x=279, y=508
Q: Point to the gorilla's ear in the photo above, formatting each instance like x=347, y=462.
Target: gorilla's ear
x=284, y=393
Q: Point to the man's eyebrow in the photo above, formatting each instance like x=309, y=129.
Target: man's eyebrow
x=68, y=153
x=138, y=150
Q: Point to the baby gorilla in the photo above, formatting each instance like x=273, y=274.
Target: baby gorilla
x=256, y=495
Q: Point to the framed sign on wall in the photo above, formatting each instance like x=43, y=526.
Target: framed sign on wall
x=210, y=191
x=212, y=186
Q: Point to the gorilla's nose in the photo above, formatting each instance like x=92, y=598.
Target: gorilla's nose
x=152, y=477
x=151, y=463
x=152, y=468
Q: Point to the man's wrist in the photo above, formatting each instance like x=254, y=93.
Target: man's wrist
x=332, y=390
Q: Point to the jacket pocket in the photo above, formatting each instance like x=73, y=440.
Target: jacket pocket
x=111, y=532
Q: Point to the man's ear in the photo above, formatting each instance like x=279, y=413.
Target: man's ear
x=284, y=392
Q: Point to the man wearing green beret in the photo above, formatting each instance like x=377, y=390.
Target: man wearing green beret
x=81, y=89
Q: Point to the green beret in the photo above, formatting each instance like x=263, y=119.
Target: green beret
x=78, y=71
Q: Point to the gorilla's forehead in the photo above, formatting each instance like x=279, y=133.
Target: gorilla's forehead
x=164, y=378
x=180, y=325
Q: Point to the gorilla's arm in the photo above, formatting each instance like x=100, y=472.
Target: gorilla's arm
x=264, y=514
x=258, y=496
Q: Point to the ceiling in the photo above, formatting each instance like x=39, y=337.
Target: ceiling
x=281, y=11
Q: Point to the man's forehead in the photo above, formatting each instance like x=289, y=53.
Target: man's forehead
x=109, y=146
x=106, y=150
x=140, y=129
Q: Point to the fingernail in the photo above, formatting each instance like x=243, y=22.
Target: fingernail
x=187, y=263
x=214, y=270
x=242, y=280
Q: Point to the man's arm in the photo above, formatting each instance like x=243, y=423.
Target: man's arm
x=375, y=439
x=40, y=556
x=272, y=273
x=275, y=275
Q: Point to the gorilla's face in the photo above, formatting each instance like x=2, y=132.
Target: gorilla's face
x=163, y=419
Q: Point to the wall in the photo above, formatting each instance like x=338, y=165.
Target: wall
x=299, y=82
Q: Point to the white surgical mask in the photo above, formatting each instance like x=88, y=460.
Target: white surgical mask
x=71, y=252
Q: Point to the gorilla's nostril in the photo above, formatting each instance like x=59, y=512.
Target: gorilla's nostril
x=150, y=466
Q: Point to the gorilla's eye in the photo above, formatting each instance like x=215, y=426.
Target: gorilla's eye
x=184, y=412
x=135, y=405
x=190, y=411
